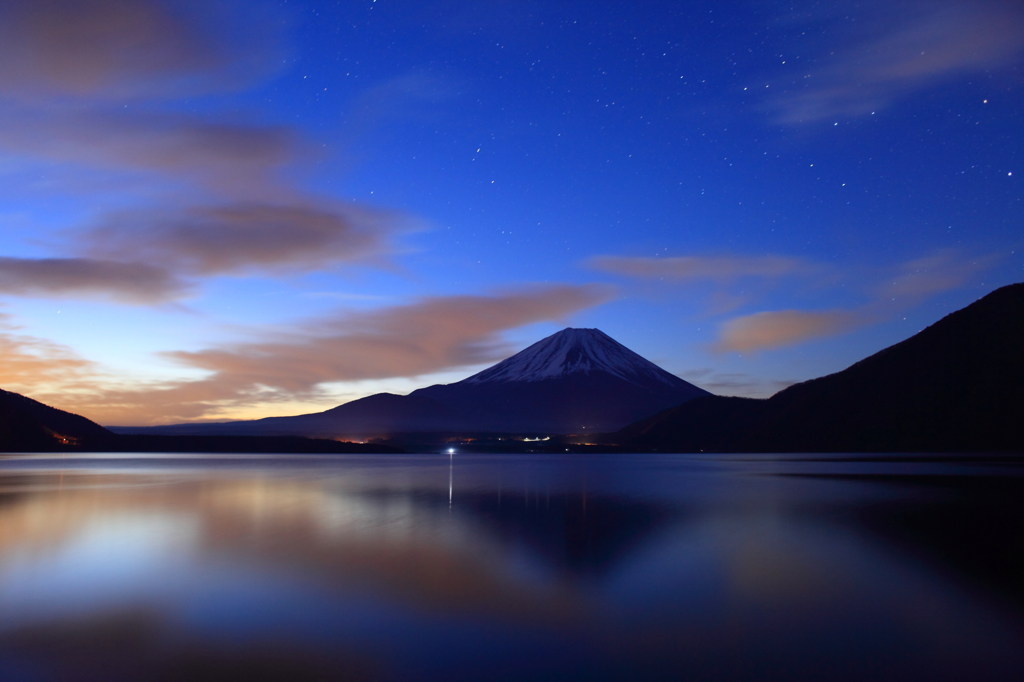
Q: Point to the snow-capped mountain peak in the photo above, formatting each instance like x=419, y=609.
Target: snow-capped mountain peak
x=572, y=351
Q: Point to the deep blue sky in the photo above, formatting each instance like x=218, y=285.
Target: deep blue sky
x=235, y=209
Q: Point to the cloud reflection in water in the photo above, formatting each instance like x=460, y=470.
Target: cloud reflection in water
x=550, y=569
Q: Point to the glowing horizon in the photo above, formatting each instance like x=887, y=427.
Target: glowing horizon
x=235, y=210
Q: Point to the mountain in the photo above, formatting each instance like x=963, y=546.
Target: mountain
x=956, y=386
x=574, y=352
x=27, y=425
x=574, y=381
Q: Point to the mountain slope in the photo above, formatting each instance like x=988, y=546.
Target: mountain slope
x=956, y=386
x=30, y=426
x=376, y=414
x=574, y=381
x=573, y=351
x=27, y=425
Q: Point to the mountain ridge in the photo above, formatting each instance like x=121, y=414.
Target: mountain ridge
x=957, y=385
x=27, y=425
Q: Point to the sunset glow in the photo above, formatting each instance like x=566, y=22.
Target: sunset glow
x=237, y=209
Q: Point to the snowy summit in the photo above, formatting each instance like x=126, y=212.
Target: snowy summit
x=573, y=351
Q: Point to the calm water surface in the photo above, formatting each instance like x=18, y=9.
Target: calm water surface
x=477, y=567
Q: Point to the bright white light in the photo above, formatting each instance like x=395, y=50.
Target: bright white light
x=451, y=474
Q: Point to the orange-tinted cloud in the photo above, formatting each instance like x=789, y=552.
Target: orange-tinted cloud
x=242, y=237
x=778, y=328
x=715, y=268
x=923, y=44
x=134, y=283
x=126, y=48
x=433, y=334
x=430, y=335
x=911, y=283
x=30, y=363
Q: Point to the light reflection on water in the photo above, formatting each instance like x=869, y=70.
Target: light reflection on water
x=575, y=567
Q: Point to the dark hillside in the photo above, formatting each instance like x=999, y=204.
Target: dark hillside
x=27, y=425
x=956, y=386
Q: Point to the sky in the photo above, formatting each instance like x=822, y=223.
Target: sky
x=242, y=208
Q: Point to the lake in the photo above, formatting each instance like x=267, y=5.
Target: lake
x=511, y=567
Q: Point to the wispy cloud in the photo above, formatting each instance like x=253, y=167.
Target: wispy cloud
x=30, y=362
x=721, y=269
x=734, y=383
x=933, y=274
x=399, y=97
x=131, y=48
x=919, y=45
x=135, y=283
x=234, y=158
x=427, y=336
x=910, y=284
x=722, y=282
x=778, y=328
x=82, y=89
x=726, y=283
x=243, y=237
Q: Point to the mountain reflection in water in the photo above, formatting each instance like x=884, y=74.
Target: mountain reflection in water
x=576, y=567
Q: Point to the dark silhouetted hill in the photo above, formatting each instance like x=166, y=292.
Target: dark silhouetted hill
x=956, y=386
x=27, y=425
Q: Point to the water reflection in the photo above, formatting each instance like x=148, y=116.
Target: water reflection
x=506, y=567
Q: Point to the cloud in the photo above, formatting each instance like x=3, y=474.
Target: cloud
x=128, y=48
x=430, y=335
x=716, y=268
x=722, y=283
x=735, y=383
x=401, y=96
x=774, y=329
x=31, y=363
x=208, y=197
x=135, y=283
x=913, y=282
x=933, y=274
x=427, y=336
x=242, y=237
x=255, y=222
x=236, y=158
x=935, y=41
x=82, y=82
